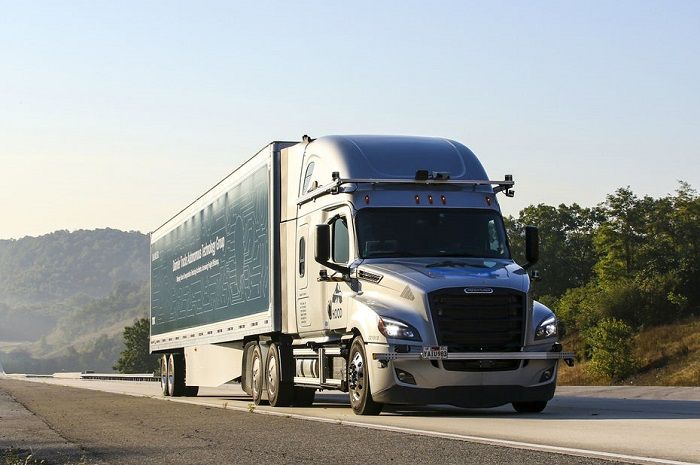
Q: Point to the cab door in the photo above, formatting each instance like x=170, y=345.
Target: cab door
x=336, y=291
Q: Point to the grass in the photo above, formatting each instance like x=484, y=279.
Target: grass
x=19, y=457
x=668, y=355
x=13, y=456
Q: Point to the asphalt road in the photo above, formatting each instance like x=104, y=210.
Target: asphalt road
x=637, y=424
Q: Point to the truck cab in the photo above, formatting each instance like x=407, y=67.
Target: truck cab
x=402, y=258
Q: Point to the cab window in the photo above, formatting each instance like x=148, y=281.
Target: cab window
x=302, y=257
x=307, y=178
x=341, y=240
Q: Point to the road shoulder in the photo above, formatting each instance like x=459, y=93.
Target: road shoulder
x=23, y=432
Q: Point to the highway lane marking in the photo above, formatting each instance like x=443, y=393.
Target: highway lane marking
x=398, y=429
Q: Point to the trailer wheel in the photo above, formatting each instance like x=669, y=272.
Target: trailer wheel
x=530, y=407
x=164, y=375
x=303, y=396
x=278, y=393
x=176, y=375
x=257, y=374
x=191, y=391
x=358, y=381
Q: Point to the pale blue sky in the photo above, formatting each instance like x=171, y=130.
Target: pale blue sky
x=119, y=113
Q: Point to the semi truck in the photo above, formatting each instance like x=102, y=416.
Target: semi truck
x=378, y=266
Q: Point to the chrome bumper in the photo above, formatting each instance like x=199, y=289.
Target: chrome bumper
x=568, y=357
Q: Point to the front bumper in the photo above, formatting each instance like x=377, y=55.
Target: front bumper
x=465, y=396
x=435, y=383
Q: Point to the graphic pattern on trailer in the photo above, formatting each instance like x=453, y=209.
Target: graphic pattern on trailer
x=215, y=265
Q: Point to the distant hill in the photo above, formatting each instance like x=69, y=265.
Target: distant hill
x=87, y=336
x=61, y=265
x=65, y=298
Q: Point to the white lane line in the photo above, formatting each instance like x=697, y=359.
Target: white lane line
x=398, y=429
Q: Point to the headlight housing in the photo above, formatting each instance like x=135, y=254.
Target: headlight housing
x=397, y=329
x=547, y=328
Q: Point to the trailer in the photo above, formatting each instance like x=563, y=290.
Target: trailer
x=373, y=265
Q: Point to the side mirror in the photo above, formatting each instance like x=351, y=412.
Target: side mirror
x=323, y=251
x=323, y=243
x=532, y=245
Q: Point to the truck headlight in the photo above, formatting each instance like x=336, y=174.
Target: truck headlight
x=546, y=329
x=396, y=329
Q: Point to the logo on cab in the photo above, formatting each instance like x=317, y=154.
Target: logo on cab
x=478, y=290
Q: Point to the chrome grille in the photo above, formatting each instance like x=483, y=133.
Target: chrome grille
x=479, y=322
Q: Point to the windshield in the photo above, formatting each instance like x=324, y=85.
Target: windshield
x=428, y=232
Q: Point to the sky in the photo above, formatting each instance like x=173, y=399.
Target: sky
x=118, y=114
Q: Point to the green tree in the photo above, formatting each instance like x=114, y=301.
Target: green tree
x=620, y=237
x=580, y=307
x=610, y=344
x=685, y=231
x=567, y=254
x=135, y=357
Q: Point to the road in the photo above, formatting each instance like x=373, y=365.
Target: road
x=644, y=425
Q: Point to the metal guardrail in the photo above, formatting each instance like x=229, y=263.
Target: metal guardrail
x=88, y=376
x=120, y=376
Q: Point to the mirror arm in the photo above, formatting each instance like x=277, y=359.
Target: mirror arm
x=345, y=270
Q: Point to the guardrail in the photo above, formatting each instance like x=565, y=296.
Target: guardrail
x=120, y=376
x=89, y=376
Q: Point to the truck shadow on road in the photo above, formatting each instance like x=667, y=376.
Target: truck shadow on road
x=572, y=408
x=559, y=408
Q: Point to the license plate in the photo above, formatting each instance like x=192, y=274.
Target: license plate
x=434, y=353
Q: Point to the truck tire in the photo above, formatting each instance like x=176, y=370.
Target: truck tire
x=303, y=396
x=359, y=382
x=176, y=375
x=257, y=375
x=191, y=391
x=164, y=375
x=279, y=393
x=530, y=407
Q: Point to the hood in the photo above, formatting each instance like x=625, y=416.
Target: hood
x=430, y=274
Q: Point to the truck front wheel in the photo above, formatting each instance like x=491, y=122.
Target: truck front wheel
x=358, y=381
